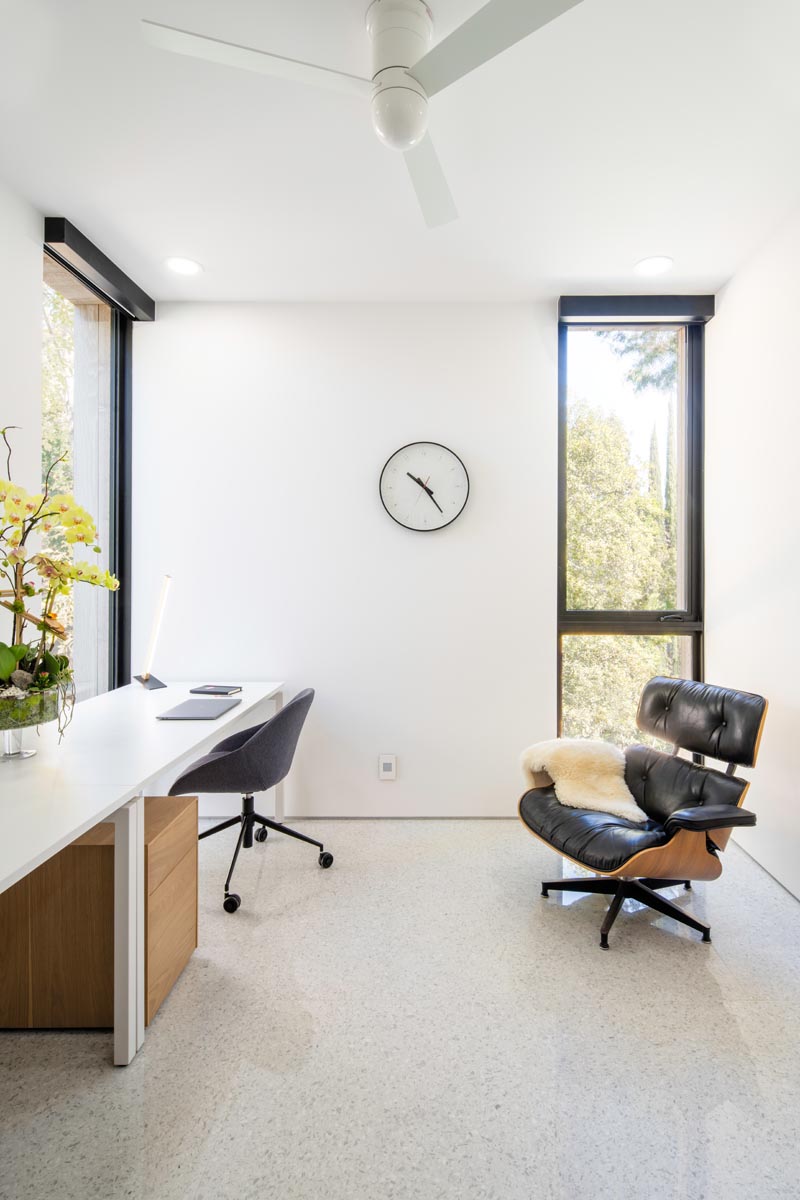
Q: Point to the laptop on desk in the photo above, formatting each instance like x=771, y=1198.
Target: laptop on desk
x=198, y=710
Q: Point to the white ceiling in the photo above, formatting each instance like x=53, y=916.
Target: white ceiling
x=626, y=128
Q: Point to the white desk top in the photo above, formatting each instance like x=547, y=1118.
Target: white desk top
x=111, y=751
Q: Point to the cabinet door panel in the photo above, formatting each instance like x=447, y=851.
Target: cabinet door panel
x=14, y=975
x=171, y=930
x=72, y=940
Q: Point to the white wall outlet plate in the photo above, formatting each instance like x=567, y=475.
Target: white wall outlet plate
x=387, y=766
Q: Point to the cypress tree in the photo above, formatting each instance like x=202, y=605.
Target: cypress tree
x=670, y=499
x=655, y=486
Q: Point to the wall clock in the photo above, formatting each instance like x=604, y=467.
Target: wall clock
x=424, y=486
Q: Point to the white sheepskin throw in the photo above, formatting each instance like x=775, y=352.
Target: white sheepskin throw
x=585, y=774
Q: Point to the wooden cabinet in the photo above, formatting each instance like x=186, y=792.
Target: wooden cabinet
x=57, y=924
x=170, y=897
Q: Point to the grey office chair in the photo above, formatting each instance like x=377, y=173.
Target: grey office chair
x=247, y=762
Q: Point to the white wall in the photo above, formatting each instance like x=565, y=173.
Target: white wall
x=259, y=435
x=753, y=527
x=20, y=334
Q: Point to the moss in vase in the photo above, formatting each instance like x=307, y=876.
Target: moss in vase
x=20, y=710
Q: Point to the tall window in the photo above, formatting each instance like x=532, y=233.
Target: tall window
x=630, y=516
x=76, y=426
x=88, y=309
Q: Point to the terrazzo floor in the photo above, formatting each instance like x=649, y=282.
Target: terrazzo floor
x=417, y=1023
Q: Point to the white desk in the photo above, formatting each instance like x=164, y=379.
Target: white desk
x=112, y=755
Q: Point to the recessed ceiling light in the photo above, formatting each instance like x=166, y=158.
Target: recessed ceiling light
x=184, y=266
x=653, y=266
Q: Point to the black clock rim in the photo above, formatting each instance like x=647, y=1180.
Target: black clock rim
x=414, y=528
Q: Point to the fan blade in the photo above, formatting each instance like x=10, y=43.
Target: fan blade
x=196, y=45
x=433, y=191
x=493, y=28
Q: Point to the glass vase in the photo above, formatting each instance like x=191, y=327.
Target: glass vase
x=20, y=713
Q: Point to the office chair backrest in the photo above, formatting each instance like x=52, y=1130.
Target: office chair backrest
x=269, y=752
x=251, y=760
x=717, y=721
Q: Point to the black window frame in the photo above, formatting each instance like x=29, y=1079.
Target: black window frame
x=618, y=312
x=128, y=303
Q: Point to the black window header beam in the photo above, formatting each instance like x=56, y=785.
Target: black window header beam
x=69, y=245
x=693, y=310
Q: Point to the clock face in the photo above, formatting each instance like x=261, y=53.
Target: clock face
x=424, y=486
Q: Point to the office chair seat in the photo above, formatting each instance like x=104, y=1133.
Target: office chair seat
x=252, y=760
x=692, y=809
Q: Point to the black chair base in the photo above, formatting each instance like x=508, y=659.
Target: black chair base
x=641, y=890
x=247, y=821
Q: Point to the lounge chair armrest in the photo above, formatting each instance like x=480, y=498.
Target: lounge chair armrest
x=709, y=816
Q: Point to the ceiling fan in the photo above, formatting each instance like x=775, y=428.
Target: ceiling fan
x=406, y=71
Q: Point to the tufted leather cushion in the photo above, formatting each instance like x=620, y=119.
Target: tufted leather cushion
x=662, y=783
x=598, y=840
x=702, y=718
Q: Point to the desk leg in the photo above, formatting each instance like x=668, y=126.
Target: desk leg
x=279, y=813
x=128, y=931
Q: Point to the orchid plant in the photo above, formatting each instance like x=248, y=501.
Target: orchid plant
x=31, y=663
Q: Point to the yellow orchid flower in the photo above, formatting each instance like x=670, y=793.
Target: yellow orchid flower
x=87, y=572
x=61, y=503
x=84, y=572
x=51, y=568
x=15, y=498
x=78, y=534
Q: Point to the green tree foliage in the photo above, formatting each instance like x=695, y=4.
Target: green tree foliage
x=655, y=486
x=671, y=491
x=620, y=548
x=602, y=677
x=617, y=556
x=58, y=365
x=651, y=353
x=58, y=358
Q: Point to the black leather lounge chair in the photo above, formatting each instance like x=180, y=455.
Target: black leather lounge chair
x=692, y=808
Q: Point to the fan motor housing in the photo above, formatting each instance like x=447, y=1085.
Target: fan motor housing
x=401, y=32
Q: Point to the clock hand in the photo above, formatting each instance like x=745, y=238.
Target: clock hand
x=425, y=488
x=419, y=494
x=429, y=491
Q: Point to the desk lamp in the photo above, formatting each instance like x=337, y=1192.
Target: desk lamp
x=147, y=679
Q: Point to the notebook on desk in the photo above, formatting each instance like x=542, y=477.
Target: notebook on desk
x=198, y=710
x=216, y=689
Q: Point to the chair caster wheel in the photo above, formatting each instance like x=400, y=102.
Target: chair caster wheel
x=261, y=834
x=707, y=936
x=545, y=892
x=687, y=887
x=604, y=943
x=231, y=902
x=326, y=859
